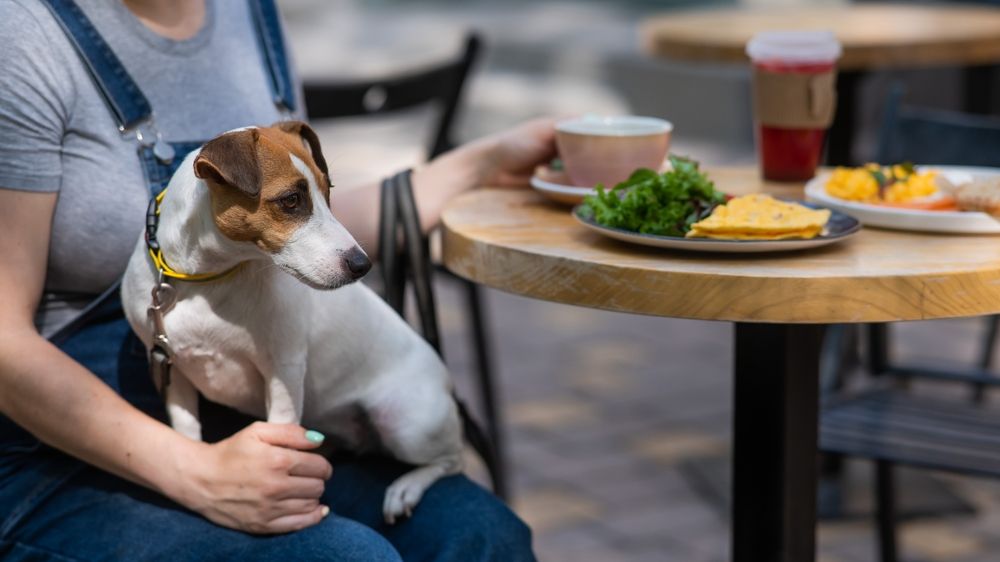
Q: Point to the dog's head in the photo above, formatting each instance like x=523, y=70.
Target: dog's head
x=270, y=186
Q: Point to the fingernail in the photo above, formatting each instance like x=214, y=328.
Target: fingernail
x=325, y=511
x=315, y=436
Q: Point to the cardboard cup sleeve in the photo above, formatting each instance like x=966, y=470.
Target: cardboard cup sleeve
x=793, y=100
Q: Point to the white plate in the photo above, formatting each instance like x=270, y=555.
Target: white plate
x=912, y=219
x=840, y=227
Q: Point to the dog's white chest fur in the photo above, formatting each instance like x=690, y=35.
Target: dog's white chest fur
x=219, y=357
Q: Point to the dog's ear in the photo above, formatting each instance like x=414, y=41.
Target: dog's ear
x=311, y=141
x=231, y=159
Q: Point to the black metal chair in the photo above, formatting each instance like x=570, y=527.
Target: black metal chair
x=938, y=137
x=440, y=85
x=887, y=423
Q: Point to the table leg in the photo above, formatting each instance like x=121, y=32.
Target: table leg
x=775, y=423
x=978, y=88
x=840, y=137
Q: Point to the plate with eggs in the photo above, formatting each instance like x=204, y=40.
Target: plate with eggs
x=748, y=224
x=952, y=199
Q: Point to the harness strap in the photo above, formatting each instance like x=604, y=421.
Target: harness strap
x=272, y=47
x=124, y=98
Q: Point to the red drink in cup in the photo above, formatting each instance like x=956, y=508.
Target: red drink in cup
x=794, y=99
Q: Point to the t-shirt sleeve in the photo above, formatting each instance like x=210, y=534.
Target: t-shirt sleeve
x=35, y=98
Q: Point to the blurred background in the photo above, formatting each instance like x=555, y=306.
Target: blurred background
x=617, y=426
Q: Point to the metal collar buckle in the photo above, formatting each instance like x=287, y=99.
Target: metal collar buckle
x=161, y=355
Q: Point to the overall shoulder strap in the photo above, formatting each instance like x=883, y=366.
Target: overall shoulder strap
x=127, y=103
x=272, y=47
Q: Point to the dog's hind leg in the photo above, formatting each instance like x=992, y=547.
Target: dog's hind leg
x=182, y=406
x=428, y=434
x=404, y=494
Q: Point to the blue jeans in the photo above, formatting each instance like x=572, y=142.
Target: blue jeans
x=53, y=507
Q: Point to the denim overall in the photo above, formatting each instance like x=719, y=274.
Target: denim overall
x=54, y=507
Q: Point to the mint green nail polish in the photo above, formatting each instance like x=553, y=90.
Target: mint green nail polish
x=315, y=436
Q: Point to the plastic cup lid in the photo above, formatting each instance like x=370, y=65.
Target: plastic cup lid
x=794, y=46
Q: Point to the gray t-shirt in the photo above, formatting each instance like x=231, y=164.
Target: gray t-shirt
x=57, y=134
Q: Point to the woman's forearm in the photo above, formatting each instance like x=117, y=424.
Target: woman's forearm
x=60, y=402
x=434, y=183
x=503, y=159
x=263, y=479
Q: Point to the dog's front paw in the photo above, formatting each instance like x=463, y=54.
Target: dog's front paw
x=402, y=496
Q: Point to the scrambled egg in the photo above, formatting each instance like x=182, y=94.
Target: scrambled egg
x=853, y=184
x=760, y=217
x=915, y=186
x=875, y=184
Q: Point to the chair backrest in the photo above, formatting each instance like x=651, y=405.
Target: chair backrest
x=440, y=84
x=931, y=136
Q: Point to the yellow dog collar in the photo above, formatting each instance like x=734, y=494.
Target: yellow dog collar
x=156, y=253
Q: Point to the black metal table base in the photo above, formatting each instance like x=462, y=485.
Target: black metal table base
x=775, y=425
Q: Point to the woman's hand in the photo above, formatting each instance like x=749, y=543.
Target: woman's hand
x=260, y=480
x=513, y=154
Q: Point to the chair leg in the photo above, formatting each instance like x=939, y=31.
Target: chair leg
x=836, y=355
x=885, y=509
x=487, y=387
x=878, y=348
x=987, y=351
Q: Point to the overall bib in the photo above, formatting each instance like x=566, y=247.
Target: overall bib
x=54, y=507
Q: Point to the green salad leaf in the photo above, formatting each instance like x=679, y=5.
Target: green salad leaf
x=665, y=204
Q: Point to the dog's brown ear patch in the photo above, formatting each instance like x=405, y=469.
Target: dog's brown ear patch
x=311, y=139
x=231, y=159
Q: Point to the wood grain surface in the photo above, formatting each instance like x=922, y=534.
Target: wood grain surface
x=518, y=242
x=873, y=35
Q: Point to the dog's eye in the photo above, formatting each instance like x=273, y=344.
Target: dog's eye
x=290, y=202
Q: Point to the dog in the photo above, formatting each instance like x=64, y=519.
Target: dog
x=289, y=336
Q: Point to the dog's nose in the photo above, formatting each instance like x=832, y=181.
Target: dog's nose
x=357, y=262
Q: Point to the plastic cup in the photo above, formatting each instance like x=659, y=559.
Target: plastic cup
x=793, y=99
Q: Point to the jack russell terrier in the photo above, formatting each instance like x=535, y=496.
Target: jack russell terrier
x=274, y=339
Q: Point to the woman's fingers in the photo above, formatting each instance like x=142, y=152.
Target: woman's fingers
x=302, y=488
x=295, y=506
x=287, y=435
x=296, y=522
x=309, y=465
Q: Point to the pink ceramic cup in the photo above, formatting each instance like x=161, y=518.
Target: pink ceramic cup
x=607, y=150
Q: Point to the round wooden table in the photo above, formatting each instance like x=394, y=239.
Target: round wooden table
x=874, y=36
x=518, y=242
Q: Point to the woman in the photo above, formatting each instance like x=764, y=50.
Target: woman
x=88, y=469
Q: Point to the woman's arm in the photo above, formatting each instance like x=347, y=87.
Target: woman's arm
x=504, y=159
x=255, y=481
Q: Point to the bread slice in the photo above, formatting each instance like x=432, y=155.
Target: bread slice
x=981, y=195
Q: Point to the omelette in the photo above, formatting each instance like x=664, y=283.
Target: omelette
x=760, y=217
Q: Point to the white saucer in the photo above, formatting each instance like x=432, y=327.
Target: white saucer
x=555, y=185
